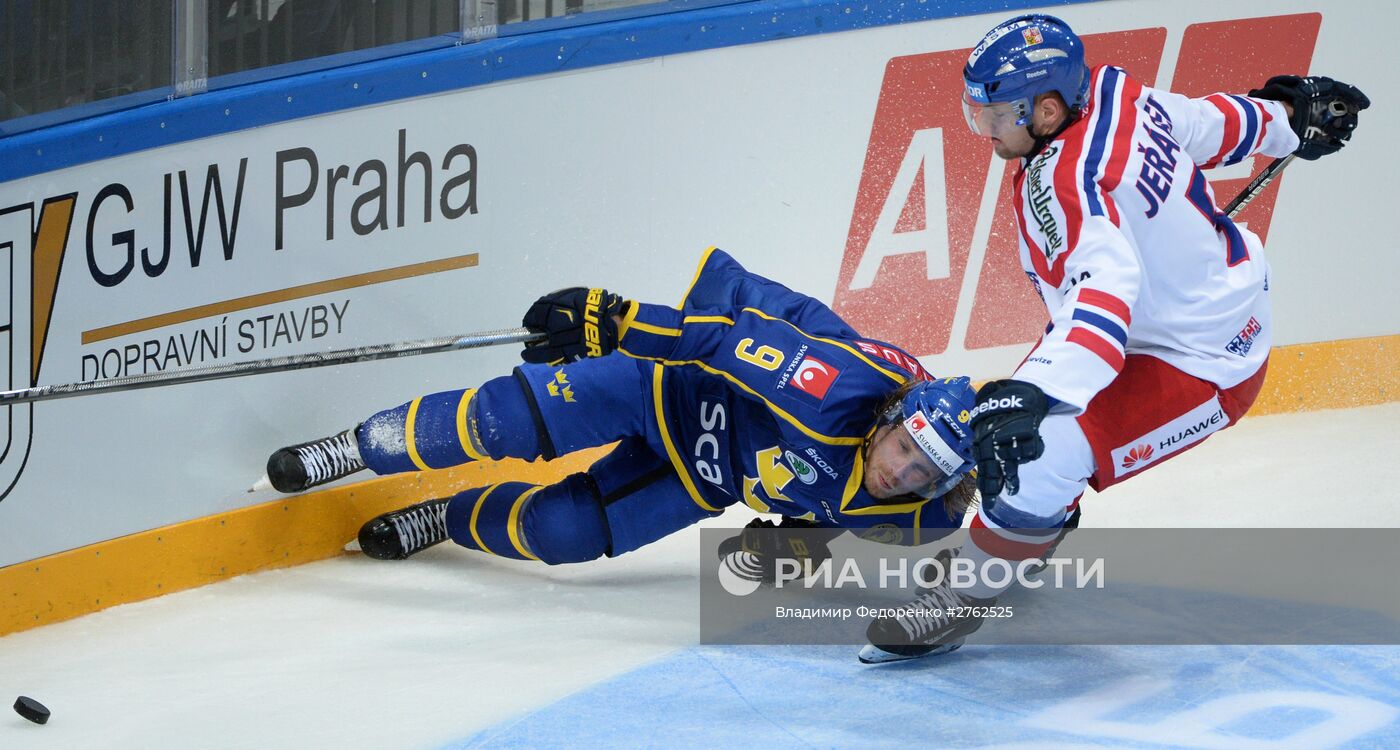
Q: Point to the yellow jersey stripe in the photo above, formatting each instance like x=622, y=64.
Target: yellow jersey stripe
x=827, y=439
x=633, y=308
x=476, y=511
x=704, y=258
x=857, y=477
x=649, y=328
x=463, y=429
x=670, y=447
x=408, y=435
x=896, y=377
x=513, y=524
x=708, y=319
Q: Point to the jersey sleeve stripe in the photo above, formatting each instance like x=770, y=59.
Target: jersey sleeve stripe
x=1264, y=126
x=1103, y=324
x=1099, y=140
x=1122, y=135
x=1112, y=209
x=1106, y=301
x=1232, y=128
x=646, y=328
x=1100, y=346
x=700, y=268
x=1251, y=119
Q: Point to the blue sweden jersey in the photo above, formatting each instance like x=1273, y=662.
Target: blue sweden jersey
x=765, y=396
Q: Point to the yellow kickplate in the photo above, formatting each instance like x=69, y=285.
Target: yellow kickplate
x=290, y=531
x=315, y=526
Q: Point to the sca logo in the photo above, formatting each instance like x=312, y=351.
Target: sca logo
x=814, y=377
x=32, y=243
x=933, y=220
x=1137, y=455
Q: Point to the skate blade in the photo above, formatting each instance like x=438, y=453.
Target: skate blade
x=872, y=654
x=262, y=485
x=353, y=546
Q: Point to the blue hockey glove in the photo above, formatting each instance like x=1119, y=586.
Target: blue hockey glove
x=753, y=554
x=577, y=323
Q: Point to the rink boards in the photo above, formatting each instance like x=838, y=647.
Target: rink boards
x=836, y=162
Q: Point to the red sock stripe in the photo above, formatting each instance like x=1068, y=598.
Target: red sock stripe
x=989, y=541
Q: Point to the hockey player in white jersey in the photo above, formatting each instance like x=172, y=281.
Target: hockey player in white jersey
x=1160, y=326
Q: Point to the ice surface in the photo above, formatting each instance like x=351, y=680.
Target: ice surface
x=457, y=649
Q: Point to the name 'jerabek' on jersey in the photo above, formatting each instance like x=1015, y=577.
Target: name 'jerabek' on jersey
x=1120, y=233
x=765, y=396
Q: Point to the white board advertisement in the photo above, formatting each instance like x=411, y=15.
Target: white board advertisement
x=837, y=164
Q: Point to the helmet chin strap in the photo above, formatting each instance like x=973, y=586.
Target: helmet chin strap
x=1041, y=141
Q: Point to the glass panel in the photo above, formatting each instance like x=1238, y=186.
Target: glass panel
x=58, y=53
x=511, y=11
x=248, y=34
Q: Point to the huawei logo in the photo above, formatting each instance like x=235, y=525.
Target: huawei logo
x=1140, y=453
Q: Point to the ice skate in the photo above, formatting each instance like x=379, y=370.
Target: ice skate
x=402, y=533
x=937, y=621
x=301, y=467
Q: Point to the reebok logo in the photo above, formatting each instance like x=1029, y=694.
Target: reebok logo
x=997, y=404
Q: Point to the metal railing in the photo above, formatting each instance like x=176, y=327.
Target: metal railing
x=58, y=54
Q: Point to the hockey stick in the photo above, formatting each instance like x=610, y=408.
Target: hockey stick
x=1257, y=185
x=272, y=364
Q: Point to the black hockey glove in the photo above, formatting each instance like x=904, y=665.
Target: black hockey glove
x=577, y=323
x=1324, y=111
x=1006, y=433
x=753, y=554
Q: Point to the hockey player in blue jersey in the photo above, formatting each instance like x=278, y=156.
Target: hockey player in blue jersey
x=747, y=392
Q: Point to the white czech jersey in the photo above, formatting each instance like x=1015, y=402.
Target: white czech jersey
x=1120, y=233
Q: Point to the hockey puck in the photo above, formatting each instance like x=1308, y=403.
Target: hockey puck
x=32, y=710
